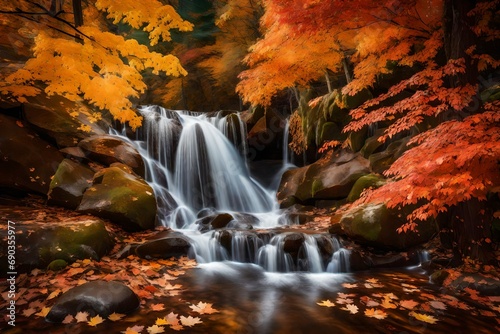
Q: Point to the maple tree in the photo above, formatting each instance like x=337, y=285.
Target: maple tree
x=84, y=60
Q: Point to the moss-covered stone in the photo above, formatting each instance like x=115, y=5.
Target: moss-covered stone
x=356, y=140
x=69, y=183
x=57, y=265
x=354, y=101
x=124, y=198
x=365, y=182
x=376, y=225
x=381, y=161
x=372, y=144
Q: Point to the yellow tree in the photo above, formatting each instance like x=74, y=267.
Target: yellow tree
x=87, y=61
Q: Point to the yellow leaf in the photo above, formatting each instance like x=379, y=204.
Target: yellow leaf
x=155, y=329
x=161, y=321
x=326, y=303
x=54, y=294
x=424, y=317
x=374, y=313
x=94, y=321
x=43, y=312
x=115, y=316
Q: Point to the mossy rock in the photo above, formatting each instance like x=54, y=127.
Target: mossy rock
x=365, y=182
x=381, y=161
x=69, y=183
x=354, y=101
x=356, y=139
x=57, y=265
x=376, y=225
x=372, y=144
x=491, y=94
x=330, y=131
x=123, y=198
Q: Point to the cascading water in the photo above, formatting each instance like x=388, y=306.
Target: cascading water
x=195, y=162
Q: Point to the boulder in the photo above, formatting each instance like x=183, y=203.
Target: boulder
x=365, y=182
x=96, y=298
x=51, y=117
x=46, y=238
x=173, y=245
x=69, y=183
x=109, y=149
x=329, y=178
x=381, y=161
x=121, y=197
x=214, y=221
x=376, y=225
x=27, y=162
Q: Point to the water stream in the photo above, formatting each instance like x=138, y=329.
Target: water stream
x=196, y=165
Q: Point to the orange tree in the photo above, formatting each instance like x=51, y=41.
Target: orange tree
x=448, y=48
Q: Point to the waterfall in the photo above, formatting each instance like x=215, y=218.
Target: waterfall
x=195, y=163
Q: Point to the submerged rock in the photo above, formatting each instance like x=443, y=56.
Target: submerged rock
x=123, y=198
x=96, y=298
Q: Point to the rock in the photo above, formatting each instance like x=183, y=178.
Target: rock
x=74, y=153
x=69, y=183
x=51, y=117
x=330, y=178
x=57, y=265
x=265, y=138
x=109, y=149
x=96, y=298
x=372, y=145
x=381, y=161
x=27, y=162
x=214, y=221
x=173, y=245
x=123, y=198
x=356, y=140
x=375, y=225
x=365, y=182
x=46, y=239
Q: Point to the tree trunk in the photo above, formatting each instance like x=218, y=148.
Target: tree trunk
x=78, y=13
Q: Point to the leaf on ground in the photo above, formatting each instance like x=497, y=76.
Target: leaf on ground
x=437, y=305
x=386, y=303
x=155, y=329
x=157, y=307
x=374, y=313
x=424, y=317
x=326, y=303
x=190, y=321
x=203, y=308
x=115, y=316
x=43, y=312
x=353, y=309
x=408, y=304
x=344, y=301
x=349, y=285
x=81, y=316
x=68, y=319
x=172, y=318
x=346, y=295
x=94, y=321
x=29, y=312
x=177, y=327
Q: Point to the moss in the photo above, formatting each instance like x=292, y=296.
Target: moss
x=317, y=185
x=364, y=182
x=57, y=265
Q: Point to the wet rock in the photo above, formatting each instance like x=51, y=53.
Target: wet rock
x=330, y=178
x=214, y=221
x=265, y=136
x=27, y=162
x=96, y=298
x=172, y=245
x=293, y=243
x=485, y=285
x=109, y=149
x=51, y=117
x=74, y=153
x=376, y=226
x=123, y=198
x=45, y=240
x=69, y=183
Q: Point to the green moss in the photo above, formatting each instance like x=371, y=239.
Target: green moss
x=317, y=185
x=364, y=182
x=57, y=265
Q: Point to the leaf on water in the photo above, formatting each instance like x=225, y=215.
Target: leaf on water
x=81, y=317
x=133, y=330
x=172, y=318
x=157, y=307
x=408, y=304
x=386, y=303
x=68, y=319
x=326, y=303
x=43, y=312
x=94, y=321
x=344, y=301
x=346, y=295
x=203, y=308
x=190, y=321
x=115, y=316
x=353, y=309
x=349, y=285
x=437, y=305
x=374, y=313
x=161, y=321
x=372, y=280
x=155, y=329
x=424, y=317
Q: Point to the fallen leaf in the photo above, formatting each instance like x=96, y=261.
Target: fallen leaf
x=346, y=295
x=437, y=305
x=68, y=319
x=155, y=329
x=54, y=294
x=115, y=316
x=326, y=303
x=81, y=317
x=157, y=307
x=349, y=285
x=43, y=312
x=353, y=309
x=94, y=321
x=203, y=308
x=344, y=301
x=190, y=321
x=424, y=317
x=172, y=318
x=408, y=304
x=386, y=303
x=161, y=321
x=374, y=313
x=133, y=330
x=29, y=312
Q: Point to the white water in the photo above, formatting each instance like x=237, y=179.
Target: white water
x=195, y=162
